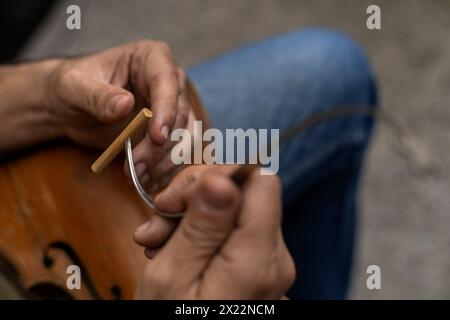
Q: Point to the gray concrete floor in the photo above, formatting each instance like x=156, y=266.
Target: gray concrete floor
x=404, y=218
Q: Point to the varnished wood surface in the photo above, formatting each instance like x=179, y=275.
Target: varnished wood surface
x=54, y=206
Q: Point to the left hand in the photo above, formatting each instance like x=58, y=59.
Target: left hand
x=95, y=96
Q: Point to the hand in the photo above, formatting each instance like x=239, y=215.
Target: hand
x=228, y=246
x=95, y=96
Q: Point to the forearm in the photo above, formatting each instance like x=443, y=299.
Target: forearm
x=25, y=117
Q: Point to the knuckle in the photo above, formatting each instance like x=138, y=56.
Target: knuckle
x=95, y=98
x=168, y=78
x=143, y=43
x=65, y=78
x=68, y=75
x=163, y=46
x=147, y=46
x=156, y=45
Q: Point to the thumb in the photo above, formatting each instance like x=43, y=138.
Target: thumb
x=171, y=198
x=213, y=203
x=105, y=102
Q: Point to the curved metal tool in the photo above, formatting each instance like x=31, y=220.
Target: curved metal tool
x=241, y=174
x=140, y=190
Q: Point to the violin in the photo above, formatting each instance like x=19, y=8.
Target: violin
x=56, y=213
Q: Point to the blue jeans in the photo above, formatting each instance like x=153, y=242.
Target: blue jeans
x=276, y=83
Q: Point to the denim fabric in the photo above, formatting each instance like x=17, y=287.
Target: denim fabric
x=275, y=83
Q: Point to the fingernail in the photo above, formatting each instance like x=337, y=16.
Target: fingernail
x=216, y=200
x=115, y=101
x=145, y=178
x=165, y=131
x=140, y=168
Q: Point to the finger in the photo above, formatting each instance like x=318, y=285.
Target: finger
x=211, y=215
x=260, y=219
x=146, y=153
x=155, y=232
x=105, y=102
x=162, y=76
x=151, y=253
x=171, y=198
x=254, y=247
x=164, y=181
x=150, y=154
x=183, y=116
x=181, y=81
x=164, y=167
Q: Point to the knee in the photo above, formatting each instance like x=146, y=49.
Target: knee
x=335, y=65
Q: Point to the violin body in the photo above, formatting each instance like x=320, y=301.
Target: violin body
x=54, y=213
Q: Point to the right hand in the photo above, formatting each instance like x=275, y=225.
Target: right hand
x=229, y=245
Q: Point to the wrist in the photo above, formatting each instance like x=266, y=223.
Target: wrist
x=38, y=78
x=26, y=115
x=41, y=75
